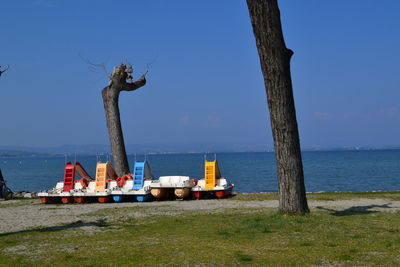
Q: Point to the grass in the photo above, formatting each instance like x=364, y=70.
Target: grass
x=233, y=237
x=318, y=239
x=325, y=196
x=21, y=202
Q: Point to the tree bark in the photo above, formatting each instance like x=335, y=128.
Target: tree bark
x=275, y=64
x=110, y=94
x=111, y=107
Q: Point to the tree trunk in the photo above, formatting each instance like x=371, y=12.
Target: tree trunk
x=120, y=80
x=110, y=100
x=275, y=64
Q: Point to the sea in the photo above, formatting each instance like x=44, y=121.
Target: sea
x=325, y=171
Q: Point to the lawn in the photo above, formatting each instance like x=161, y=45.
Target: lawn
x=391, y=195
x=256, y=237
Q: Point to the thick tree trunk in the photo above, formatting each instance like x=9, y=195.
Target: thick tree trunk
x=275, y=64
x=110, y=100
x=120, y=80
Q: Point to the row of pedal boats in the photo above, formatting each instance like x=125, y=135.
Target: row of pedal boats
x=137, y=186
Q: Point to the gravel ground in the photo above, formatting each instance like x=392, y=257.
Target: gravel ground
x=20, y=215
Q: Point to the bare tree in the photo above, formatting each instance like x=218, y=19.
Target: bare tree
x=2, y=71
x=120, y=80
x=275, y=64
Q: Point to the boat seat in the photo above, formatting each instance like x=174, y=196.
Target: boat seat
x=128, y=185
x=221, y=182
x=201, y=183
x=112, y=184
x=165, y=179
x=78, y=185
x=179, y=179
x=60, y=185
x=91, y=186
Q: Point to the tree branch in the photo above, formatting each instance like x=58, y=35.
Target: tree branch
x=87, y=61
x=2, y=71
x=133, y=85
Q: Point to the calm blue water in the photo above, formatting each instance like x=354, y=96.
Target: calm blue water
x=250, y=172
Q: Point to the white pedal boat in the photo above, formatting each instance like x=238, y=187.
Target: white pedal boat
x=179, y=185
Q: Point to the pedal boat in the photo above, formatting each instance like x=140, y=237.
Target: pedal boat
x=99, y=189
x=213, y=184
x=167, y=186
x=63, y=191
x=136, y=186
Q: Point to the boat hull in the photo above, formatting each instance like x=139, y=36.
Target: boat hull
x=159, y=192
x=213, y=193
x=197, y=194
x=143, y=198
x=67, y=200
x=118, y=198
x=104, y=199
x=80, y=200
x=182, y=192
x=45, y=200
x=223, y=193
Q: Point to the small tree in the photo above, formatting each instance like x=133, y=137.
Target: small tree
x=120, y=80
x=275, y=65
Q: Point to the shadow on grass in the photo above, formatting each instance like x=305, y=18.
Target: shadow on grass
x=77, y=224
x=356, y=210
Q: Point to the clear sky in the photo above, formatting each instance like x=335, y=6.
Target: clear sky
x=204, y=83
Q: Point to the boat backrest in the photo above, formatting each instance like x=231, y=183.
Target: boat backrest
x=60, y=185
x=78, y=185
x=91, y=187
x=147, y=183
x=222, y=182
x=179, y=179
x=128, y=185
x=201, y=183
x=112, y=184
x=174, y=180
x=165, y=179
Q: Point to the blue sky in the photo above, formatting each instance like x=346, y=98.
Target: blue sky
x=204, y=83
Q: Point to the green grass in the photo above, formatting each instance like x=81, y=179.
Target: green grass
x=255, y=196
x=20, y=202
x=326, y=196
x=239, y=237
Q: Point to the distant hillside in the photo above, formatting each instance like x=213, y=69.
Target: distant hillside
x=16, y=153
x=95, y=149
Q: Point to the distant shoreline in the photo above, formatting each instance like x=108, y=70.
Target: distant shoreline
x=24, y=154
x=29, y=155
